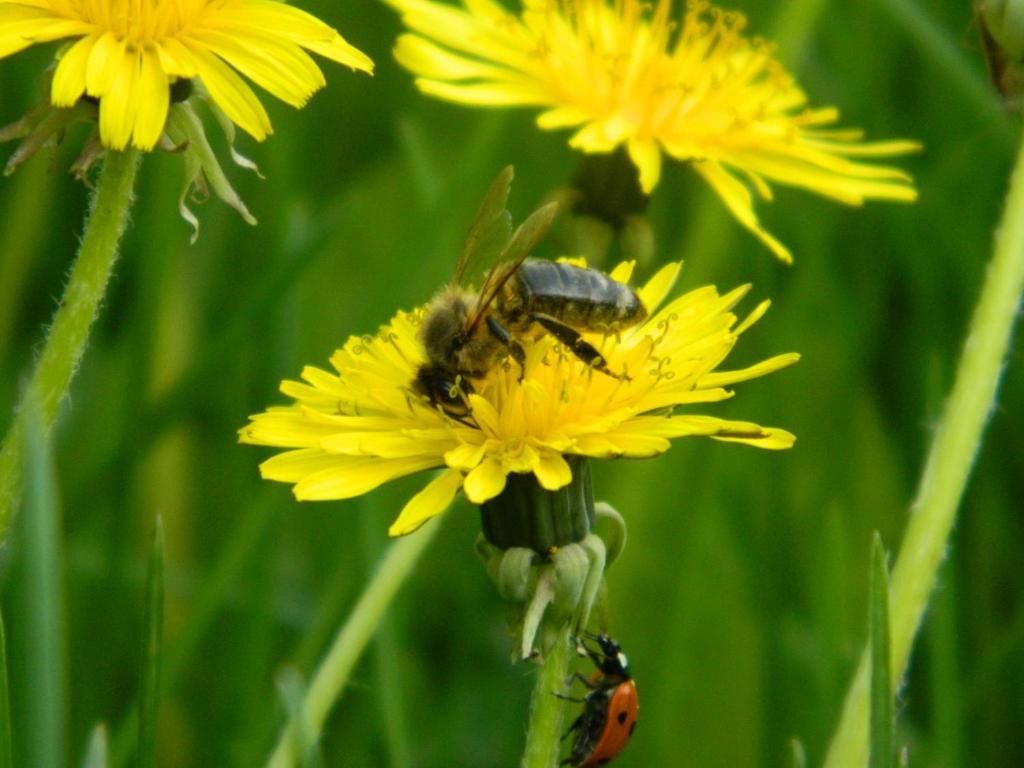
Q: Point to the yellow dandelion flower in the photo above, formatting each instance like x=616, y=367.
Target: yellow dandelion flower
x=127, y=54
x=630, y=74
x=364, y=423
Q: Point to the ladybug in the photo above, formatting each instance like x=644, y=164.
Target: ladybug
x=609, y=709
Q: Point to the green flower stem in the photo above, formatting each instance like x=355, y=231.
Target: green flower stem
x=949, y=462
x=69, y=332
x=544, y=735
x=304, y=729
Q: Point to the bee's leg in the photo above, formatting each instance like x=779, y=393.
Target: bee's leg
x=502, y=334
x=575, y=343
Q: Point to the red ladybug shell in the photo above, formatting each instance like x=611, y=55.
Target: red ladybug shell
x=609, y=709
x=619, y=720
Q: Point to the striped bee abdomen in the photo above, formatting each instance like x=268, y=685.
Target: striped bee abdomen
x=584, y=298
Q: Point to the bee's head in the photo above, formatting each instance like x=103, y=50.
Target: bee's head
x=444, y=388
x=443, y=328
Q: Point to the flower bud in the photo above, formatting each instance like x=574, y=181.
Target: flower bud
x=546, y=591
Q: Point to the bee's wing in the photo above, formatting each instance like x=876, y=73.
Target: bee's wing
x=491, y=229
x=523, y=240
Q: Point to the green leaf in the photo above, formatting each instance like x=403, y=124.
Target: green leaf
x=153, y=621
x=882, y=752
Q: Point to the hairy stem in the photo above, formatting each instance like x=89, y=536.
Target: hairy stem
x=69, y=332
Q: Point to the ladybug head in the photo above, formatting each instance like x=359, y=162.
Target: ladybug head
x=611, y=660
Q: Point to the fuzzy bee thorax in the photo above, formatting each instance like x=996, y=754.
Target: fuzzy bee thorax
x=445, y=338
x=443, y=323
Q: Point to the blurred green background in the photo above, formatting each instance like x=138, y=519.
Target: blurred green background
x=741, y=597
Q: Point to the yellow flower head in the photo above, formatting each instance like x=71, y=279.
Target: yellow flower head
x=364, y=423
x=127, y=53
x=629, y=73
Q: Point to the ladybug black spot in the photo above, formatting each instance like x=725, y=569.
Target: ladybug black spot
x=604, y=761
x=622, y=718
x=632, y=728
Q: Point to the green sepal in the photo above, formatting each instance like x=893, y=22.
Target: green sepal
x=526, y=515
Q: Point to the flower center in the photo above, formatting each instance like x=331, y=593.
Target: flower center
x=140, y=21
x=634, y=61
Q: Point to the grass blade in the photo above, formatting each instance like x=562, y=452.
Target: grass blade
x=797, y=754
x=881, y=754
x=36, y=610
x=149, y=698
x=96, y=751
x=292, y=688
x=387, y=651
x=6, y=759
x=242, y=545
x=332, y=674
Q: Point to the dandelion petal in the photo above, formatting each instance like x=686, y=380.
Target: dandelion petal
x=153, y=101
x=354, y=476
x=738, y=200
x=69, y=78
x=431, y=501
x=485, y=482
x=130, y=53
x=231, y=93
x=552, y=471
x=119, y=103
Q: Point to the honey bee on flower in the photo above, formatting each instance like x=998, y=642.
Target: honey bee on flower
x=465, y=333
x=382, y=413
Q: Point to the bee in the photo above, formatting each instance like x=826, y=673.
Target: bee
x=467, y=333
